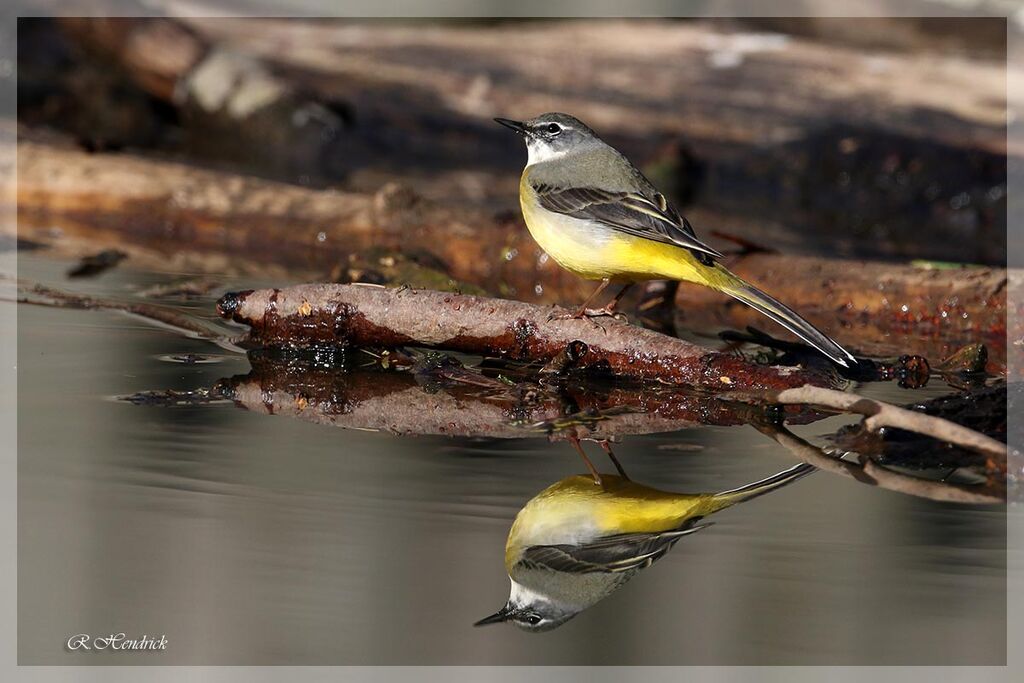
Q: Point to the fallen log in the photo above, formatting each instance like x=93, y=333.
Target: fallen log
x=313, y=315
x=411, y=63
x=177, y=213
x=862, y=155
x=156, y=53
x=232, y=107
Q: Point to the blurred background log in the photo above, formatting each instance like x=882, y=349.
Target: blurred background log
x=801, y=138
x=824, y=139
x=175, y=217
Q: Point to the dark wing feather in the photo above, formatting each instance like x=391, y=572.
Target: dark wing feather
x=618, y=553
x=630, y=212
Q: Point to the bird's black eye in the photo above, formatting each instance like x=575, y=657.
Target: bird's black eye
x=533, y=619
x=553, y=129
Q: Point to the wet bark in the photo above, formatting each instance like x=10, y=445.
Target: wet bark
x=306, y=316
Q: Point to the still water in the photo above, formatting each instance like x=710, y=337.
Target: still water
x=246, y=537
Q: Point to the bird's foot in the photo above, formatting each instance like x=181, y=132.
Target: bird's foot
x=578, y=315
x=606, y=312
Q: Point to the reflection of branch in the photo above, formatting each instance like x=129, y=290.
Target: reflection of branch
x=444, y=398
x=870, y=473
x=312, y=315
x=878, y=414
x=404, y=403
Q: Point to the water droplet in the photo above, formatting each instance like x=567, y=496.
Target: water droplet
x=959, y=201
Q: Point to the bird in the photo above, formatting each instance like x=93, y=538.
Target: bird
x=575, y=543
x=592, y=211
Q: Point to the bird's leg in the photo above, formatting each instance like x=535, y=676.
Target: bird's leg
x=607, y=446
x=583, y=311
x=608, y=309
x=590, y=466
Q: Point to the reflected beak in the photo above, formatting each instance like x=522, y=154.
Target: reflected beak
x=517, y=126
x=496, y=618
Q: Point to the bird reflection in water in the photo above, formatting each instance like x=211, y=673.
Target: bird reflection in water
x=579, y=540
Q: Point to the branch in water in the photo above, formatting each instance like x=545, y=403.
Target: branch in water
x=41, y=295
x=307, y=316
x=868, y=472
x=878, y=414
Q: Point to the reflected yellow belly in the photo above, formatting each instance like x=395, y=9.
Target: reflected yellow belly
x=575, y=511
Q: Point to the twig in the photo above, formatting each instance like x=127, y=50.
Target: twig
x=41, y=295
x=935, y=490
x=878, y=414
x=868, y=472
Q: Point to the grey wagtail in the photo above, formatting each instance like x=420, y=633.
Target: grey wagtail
x=595, y=214
x=574, y=543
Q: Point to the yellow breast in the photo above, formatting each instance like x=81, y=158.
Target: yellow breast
x=573, y=244
x=595, y=252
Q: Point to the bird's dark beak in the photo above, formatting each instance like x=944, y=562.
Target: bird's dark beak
x=517, y=126
x=498, y=617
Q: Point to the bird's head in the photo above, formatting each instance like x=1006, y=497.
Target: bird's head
x=552, y=135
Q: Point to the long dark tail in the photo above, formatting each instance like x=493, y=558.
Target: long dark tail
x=785, y=316
x=763, y=486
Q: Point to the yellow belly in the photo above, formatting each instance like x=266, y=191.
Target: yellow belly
x=597, y=252
x=571, y=243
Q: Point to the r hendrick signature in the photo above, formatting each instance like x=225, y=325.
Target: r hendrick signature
x=115, y=641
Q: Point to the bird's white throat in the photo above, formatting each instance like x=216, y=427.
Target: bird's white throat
x=538, y=152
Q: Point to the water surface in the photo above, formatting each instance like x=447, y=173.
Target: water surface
x=247, y=538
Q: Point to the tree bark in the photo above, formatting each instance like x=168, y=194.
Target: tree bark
x=307, y=316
